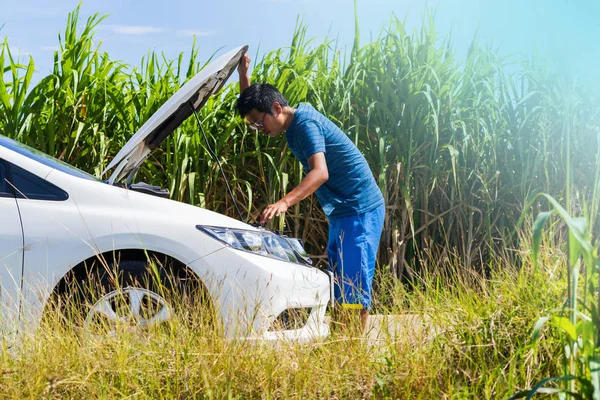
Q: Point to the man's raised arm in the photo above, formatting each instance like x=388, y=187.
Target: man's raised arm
x=243, y=72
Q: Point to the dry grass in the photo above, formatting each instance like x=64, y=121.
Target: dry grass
x=463, y=340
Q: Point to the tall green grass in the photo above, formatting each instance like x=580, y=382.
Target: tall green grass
x=578, y=320
x=458, y=147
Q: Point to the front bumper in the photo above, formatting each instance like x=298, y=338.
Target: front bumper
x=250, y=291
x=314, y=328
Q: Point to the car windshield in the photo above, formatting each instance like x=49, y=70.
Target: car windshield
x=44, y=158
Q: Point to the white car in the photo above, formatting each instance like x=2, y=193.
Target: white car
x=59, y=225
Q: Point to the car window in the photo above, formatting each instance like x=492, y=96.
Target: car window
x=29, y=186
x=5, y=189
x=44, y=158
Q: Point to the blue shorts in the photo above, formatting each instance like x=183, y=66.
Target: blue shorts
x=352, y=253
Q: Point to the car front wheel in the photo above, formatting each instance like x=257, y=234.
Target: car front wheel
x=130, y=295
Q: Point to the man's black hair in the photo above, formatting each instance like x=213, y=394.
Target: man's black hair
x=261, y=97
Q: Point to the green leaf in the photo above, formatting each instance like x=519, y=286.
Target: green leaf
x=537, y=328
x=594, y=365
x=538, y=227
x=566, y=326
x=577, y=228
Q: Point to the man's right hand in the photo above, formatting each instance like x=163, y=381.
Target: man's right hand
x=243, y=67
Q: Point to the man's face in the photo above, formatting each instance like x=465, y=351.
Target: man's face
x=266, y=122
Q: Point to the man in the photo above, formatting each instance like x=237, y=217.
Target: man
x=339, y=175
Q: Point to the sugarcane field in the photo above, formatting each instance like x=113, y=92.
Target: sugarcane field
x=300, y=200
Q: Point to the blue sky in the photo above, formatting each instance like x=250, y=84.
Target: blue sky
x=564, y=31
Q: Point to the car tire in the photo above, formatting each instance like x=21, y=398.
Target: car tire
x=132, y=294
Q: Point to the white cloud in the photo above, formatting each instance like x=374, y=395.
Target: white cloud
x=198, y=32
x=50, y=48
x=132, y=29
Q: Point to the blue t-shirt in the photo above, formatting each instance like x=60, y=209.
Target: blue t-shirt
x=351, y=188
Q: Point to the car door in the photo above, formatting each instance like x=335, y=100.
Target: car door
x=11, y=254
x=48, y=230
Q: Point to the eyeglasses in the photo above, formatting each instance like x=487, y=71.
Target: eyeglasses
x=259, y=124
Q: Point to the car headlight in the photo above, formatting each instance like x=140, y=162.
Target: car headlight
x=265, y=243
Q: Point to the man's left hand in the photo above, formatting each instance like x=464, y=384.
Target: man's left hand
x=273, y=210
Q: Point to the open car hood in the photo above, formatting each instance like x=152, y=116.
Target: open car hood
x=172, y=114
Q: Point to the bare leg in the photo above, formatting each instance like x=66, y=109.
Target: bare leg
x=336, y=325
x=342, y=319
x=364, y=317
x=339, y=319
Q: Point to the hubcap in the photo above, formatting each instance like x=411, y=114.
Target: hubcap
x=128, y=309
